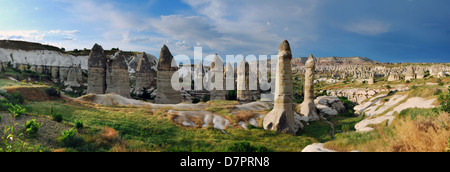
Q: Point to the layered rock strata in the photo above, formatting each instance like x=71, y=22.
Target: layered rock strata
x=165, y=93
x=281, y=118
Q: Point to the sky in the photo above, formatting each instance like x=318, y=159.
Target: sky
x=383, y=30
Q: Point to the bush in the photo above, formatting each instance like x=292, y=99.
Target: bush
x=349, y=105
x=79, y=124
x=206, y=98
x=195, y=100
x=52, y=91
x=16, y=110
x=14, y=98
x=57, y=117
x=245, y=147
x=232, y=95
x=69, y=138
x=437, y=92
x=32, y=127
x=4, y=104
x=445, y=101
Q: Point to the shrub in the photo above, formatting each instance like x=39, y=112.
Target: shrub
x=79, y=124
x=245, y=147
x=57, y=117
x=17, y=97
x=437, y=92
x=232, y=95
x=4, y=104
x=445, y=101
x=206, y=98
x=195, y=100
x=17, y=110
x=349, y=105
x=32, y=127
x=52, y=91
x=391, y=93
x=14, y=98
x=69, y=138
x=108, y=137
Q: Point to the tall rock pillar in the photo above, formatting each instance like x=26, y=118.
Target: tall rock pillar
x=281, y=118
x=97, y=70
x=307, y=107
x=217, y=85
x=144, y=74
x=117, y=77
x=243, y=85
x=165, y=94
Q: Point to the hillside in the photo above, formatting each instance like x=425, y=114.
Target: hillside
x=27, y=46
x=328, y=61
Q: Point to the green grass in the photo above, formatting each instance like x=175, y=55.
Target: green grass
x=7, y=83
x=143, y=130
x=413, y=113
x=321, y=130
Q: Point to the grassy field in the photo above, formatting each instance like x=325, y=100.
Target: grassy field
x=141, y=129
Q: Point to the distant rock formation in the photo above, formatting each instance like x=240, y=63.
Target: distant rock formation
x=165, y=94
x=243, y=84
x=420, y=73
x=394, y=76
x=229, y=77
x=410, y=74
x=217, y=85
x=281, y=118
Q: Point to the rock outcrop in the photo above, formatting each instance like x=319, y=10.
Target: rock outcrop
x=329, y=105
x=229, y=77
x=243, y=85
x=145, y=74
x=281, y=118
x=307, y=107
x=97, y=71
x=420, y=73
x=216, y=85
x=394, y=76
x=410, y=74
x=117, y=77
x=165, y=94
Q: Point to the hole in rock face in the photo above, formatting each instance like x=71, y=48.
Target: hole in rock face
x=269, y=126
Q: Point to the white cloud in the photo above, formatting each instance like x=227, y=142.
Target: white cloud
x=24, y=35
x=64, y=32
x=254, y=26
x=368, y=27
x=102, y=13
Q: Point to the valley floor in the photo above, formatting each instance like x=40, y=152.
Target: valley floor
x=117, y=128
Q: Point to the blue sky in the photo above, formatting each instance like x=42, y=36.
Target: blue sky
x=382, y=30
